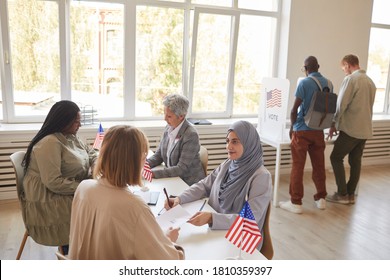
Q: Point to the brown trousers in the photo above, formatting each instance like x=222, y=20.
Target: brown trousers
x=303, y=142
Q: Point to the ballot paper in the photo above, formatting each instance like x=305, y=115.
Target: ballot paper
x=174, y=217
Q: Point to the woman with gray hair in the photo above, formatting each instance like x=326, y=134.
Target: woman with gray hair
x=179, y=147
x=242, y=177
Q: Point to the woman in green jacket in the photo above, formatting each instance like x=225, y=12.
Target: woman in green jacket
x=55, y=163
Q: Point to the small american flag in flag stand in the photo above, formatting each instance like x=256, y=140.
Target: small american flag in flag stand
x=99, y=138
x=244, y=232
x=147, y=171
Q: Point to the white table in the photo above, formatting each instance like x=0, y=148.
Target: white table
x=199, y=243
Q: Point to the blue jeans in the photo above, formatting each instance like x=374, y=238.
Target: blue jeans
x=353, y=147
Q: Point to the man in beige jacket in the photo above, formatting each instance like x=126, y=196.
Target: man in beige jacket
x=353, y=118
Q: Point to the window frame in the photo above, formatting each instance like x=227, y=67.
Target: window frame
x=129, y=64
x=234, y=26
x=380, y=23
x=386, y=102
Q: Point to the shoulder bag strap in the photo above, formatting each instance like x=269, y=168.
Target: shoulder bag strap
x=317, y=82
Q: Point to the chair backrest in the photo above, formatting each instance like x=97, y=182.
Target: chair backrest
x=267, y=249
x=204, y=158
x=16, y=159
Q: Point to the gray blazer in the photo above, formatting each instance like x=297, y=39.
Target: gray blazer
x=184, y=158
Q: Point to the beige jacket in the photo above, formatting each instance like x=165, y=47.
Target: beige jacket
x=111, y=223
x=355, y=105
x=58, y=164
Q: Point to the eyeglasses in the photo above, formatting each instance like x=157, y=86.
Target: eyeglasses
x=304, y=68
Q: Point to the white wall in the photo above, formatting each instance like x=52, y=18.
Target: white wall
x=327, y=29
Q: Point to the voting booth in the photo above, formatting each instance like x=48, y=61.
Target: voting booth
x=272, y=120
x=273, y=109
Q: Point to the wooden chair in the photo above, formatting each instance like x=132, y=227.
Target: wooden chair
x=204, y=158
x=16, y=160
x=267, y=249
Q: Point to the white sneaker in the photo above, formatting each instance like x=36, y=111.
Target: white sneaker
x=289, y=206
x=321, y=204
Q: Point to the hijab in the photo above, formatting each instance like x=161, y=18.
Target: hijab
x=232, y=192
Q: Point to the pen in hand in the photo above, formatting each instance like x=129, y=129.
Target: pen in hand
x=161, y=211
x=168, y=201
x=201, y=207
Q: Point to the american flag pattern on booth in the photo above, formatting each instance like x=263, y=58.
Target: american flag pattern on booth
x=274, y=98
x=147, y=171
x=99, y=138
x=244, y=232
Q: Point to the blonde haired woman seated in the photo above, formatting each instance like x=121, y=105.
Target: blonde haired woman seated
x=108, y=221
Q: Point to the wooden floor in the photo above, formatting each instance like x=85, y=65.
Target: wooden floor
x=341, y=232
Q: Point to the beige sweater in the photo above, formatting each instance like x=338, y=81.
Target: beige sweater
x=111, y=223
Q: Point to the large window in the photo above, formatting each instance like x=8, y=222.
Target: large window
x=209, y=79
x=228, y=62
x=97, y=55
x=255, y=56
x=159, y=56
x=3, y=56
x=35, y=55
x=118, y=59
x=1, y=90
x=1, y=102
x=379, y=54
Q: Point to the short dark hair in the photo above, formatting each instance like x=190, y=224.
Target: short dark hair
x=311, y=64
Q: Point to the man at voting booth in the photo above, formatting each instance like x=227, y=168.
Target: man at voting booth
x=306, y=140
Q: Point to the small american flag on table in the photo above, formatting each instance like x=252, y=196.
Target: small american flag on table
x=147, y=171
x=99, y=138
x=244, y=232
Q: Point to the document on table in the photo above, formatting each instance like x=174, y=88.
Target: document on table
x=174, y=217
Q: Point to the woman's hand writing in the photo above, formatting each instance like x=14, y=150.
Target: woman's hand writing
x=173, y=201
